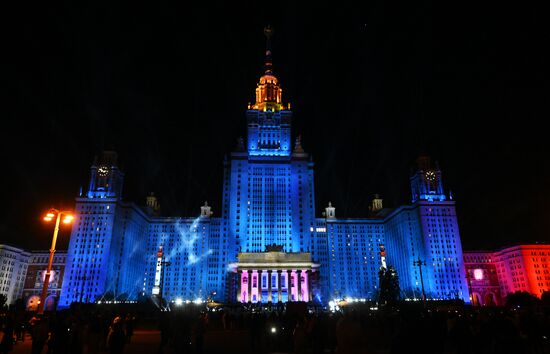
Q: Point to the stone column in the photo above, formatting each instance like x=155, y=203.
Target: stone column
x=249, y=285
x=289, y=285
x=279, y=290
x=239, y=280
x=310, y=291
x=269, y=299
x=259, y=286
x=299, y=279
x=304, y=286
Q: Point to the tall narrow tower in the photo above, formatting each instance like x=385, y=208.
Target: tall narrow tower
x=89, y=257
x=105, y=255
x=440, y=238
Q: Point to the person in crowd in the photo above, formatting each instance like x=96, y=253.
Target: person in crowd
x=116, y=339
x=129, y=322
x=6, y=343
x=39, y=333
x=300, y=336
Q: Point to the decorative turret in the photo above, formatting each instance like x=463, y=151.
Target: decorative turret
x=376, y=204
x=330, y=212
x=206, y=211
x=268, y=92
x=152, y=203
x=240, y=145
x=298, y=149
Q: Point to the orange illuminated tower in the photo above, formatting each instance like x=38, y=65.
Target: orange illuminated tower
x=268, y=92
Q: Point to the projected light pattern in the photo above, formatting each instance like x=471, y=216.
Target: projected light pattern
x=189, y=242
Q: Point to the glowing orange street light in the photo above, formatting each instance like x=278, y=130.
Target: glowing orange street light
x=67, y=218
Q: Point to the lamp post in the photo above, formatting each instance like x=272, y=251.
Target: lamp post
x=419, y=263
x=161, y=290
x=68, y=217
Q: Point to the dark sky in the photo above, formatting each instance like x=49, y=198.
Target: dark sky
x=371, y=88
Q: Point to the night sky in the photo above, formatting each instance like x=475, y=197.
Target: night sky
x=371, y=88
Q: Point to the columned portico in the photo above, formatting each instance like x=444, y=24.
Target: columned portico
x=274, y=276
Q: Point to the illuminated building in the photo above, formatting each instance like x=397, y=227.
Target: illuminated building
x=22, y=275
x=482, y=276
x=34, y=280
x=268, y=201
x=495, y=274
x=13, y=268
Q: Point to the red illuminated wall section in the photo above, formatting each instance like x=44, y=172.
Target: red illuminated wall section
x=493, y=275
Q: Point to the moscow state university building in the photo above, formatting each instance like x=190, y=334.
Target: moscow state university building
x=267, y=244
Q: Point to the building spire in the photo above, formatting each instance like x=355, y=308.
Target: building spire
x=268, y=91
x=268, y=67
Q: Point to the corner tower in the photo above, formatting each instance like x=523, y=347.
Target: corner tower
x=104, y=257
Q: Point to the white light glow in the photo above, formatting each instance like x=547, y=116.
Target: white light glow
x=478, y=274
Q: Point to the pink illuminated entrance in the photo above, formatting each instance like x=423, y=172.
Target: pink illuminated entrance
x=274, y=277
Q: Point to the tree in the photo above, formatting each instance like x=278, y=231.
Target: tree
x=545, y=298
x=3, y=300
x=19, y=305
x=389, y=286
x=521, y=299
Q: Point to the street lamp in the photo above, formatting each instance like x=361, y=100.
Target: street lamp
x=67, y=219
x=419, y=263
x=161, y=290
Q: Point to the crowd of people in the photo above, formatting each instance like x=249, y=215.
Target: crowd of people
x=362, y=330
x=194, y=329
x=68, y=332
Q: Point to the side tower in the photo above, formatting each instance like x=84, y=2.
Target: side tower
x=426, y=182
x=105, y=177
x=268, y=185
x=439, y=234
x=104, y=258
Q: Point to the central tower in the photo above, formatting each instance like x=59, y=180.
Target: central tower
x=268, y=120
x=268, y=184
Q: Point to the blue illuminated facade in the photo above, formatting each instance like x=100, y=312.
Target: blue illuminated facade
x=268, y=198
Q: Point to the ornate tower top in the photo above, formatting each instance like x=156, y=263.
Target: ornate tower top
x=105, y=177
x=330, y=211
x=426, y=181
x=268, y=92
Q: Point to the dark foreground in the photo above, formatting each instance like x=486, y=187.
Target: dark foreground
x=355, y=330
